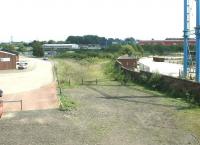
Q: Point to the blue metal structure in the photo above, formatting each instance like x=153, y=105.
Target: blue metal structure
x=198, y=41
x=186, y=37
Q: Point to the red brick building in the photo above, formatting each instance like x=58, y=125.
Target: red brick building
x=8, y=60
x=128, y=61
x=166, y=42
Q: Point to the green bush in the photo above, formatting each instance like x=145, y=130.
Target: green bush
x=66, y=104
x=155, y=80
x=143, y=79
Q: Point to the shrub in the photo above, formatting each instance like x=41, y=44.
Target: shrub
x=66, y=104
x=155, y=80
x=143, y=79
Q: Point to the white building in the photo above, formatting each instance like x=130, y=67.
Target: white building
x=60, y=46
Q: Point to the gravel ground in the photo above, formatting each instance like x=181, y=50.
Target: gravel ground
x=106, y=115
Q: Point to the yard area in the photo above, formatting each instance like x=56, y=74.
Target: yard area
x=35, y=86
x=106, y=114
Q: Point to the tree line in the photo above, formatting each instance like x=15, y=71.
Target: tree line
x=128, y=45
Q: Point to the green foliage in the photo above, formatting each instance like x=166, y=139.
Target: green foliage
x=161, y=49
x=143, y=79
x=37, y=48
x=83, y=54
x=8, y=47
x=112, y=72
x=87, y=39
x=155, y=80
x=127, y=49
x=134, y=50
x=76, y=70
x=66, y=104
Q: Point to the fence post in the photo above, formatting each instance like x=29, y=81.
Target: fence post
x=82, y=81
x=21, y=104
x=60, y=90
x=69, y=82
x=96, y=81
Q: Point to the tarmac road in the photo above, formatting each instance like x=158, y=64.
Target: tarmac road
x=37, y=75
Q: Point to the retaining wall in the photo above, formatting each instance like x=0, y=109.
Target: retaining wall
x=176, y=86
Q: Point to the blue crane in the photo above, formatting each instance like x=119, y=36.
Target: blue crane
x=197, y=32
x=186, y=38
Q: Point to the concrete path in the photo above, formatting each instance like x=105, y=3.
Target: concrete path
x=34, y=86
x=42, y=98
x=38, y=74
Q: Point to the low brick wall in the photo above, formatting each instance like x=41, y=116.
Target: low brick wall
x=179, y=87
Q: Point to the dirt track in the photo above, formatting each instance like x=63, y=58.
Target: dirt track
x=106, y=115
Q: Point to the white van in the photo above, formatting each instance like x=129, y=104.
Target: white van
x=22, y=65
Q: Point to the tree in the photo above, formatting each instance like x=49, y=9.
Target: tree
x=130, y=40
x=37, y=49
x=8, y=47
x=127, y=49
x=51, y=42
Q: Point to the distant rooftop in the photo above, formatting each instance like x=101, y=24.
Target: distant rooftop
x=126, y=57
x=7, y=52
x=59, y=44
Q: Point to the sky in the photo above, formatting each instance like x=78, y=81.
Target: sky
x=27, y=20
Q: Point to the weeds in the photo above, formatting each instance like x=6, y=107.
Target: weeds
x=66, y=104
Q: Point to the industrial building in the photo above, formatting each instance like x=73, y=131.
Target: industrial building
x=170, y=42
x=128, y=61
x=8, y=60
x=53, y=49
x=60, y=46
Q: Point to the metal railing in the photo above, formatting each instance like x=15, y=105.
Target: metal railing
x=15, y=101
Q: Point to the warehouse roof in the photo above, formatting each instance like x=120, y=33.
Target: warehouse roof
x=7, y=53
x=58, y=44
x=126, y=57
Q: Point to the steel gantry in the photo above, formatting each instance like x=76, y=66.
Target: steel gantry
x=197, y=32
x=187, y=36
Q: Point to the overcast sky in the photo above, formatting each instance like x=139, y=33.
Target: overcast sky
x=27, y=20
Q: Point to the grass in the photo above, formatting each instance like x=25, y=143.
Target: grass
x=66, y=104
x=92, y=68
x=88, y=69
x=190, y=120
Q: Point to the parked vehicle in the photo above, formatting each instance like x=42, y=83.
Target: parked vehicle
x=45, y=58
x=22, y=65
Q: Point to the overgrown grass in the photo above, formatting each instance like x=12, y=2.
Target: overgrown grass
x=71, y=72
x=191, y=120
x=66, y=104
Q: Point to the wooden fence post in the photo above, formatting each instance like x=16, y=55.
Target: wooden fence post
x=82, y=81
x=21, y=104
x=60, y=90
x=96, y=81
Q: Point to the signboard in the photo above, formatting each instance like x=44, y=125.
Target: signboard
x=4, y=59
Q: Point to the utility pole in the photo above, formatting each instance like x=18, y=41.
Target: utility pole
x=198, y=41
x=186, y=36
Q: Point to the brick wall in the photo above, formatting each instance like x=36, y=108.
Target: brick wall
x=179, y=87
